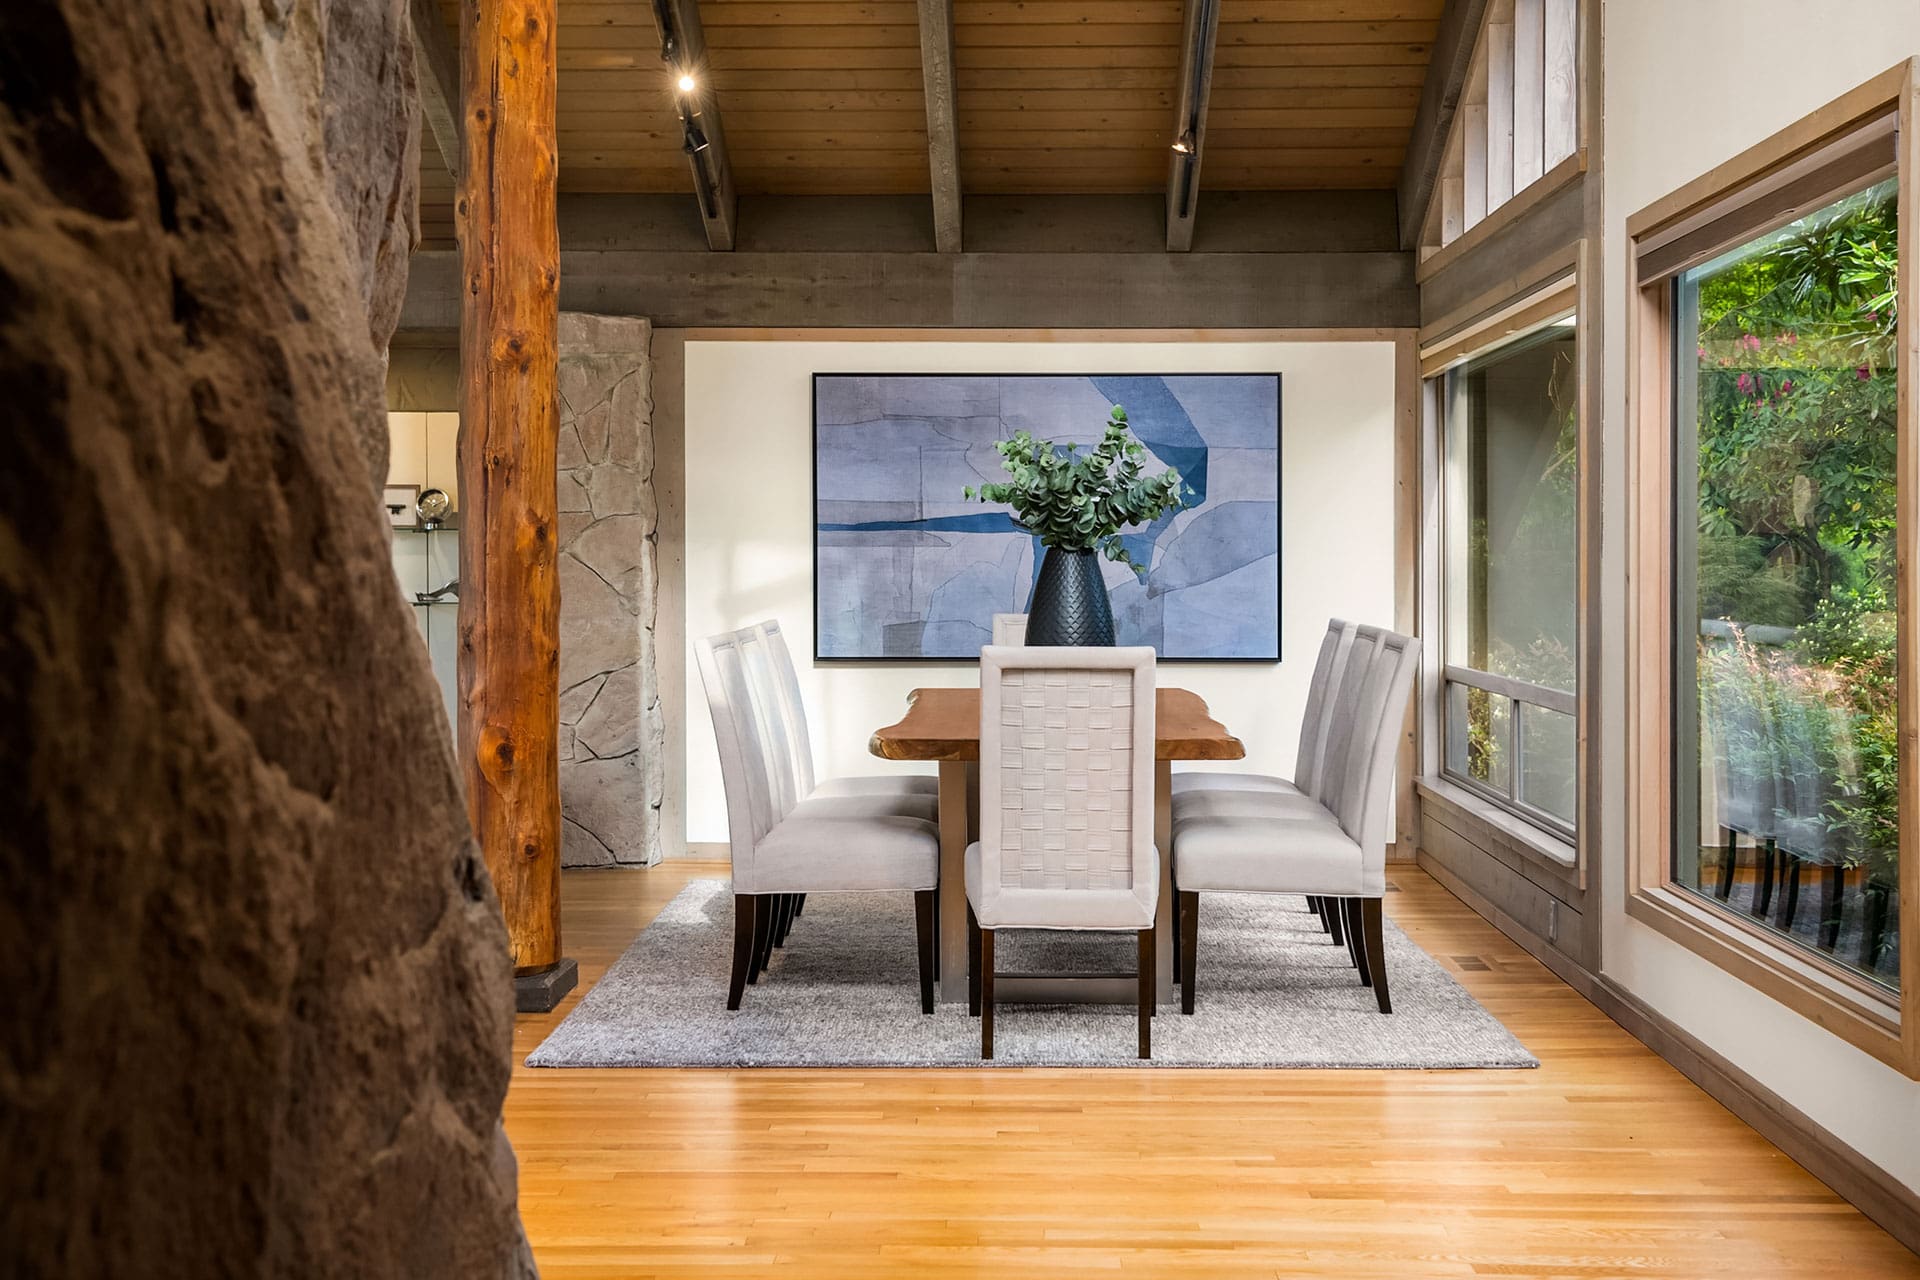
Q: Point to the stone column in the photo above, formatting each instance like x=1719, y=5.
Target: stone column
x=612, y=734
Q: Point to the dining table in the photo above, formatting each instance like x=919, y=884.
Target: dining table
x=943, y=726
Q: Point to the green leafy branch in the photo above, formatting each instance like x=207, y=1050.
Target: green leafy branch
x=1081, y=502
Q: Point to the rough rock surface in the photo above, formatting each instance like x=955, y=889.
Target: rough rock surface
x=612, y=730
x=258, y=1003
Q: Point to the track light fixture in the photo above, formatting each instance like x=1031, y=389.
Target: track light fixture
x=1184, y=143
x=686, y=82
x=695, y=141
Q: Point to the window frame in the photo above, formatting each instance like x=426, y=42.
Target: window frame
x=1538, y=310
x=1797, y=171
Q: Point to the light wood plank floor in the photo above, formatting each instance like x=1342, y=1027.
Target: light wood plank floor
x=1604, y=1163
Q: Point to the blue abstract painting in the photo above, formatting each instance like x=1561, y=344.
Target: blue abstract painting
x=907, y=567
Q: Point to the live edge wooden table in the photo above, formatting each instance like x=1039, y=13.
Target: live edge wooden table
x=943, y=725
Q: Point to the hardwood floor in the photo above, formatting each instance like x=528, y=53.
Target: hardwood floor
x=1605, y=1162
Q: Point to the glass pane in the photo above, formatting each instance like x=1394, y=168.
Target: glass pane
x=1547, y=761
x=1789, y=796
x=1512, y=509
x=1480, y=736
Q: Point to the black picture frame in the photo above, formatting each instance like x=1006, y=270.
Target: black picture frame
x=1279, y=559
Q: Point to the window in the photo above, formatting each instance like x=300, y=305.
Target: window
x=1772, y=466
x=1787, y=803
x=1510, y=427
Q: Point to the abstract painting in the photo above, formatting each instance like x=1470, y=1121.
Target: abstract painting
x=906, y=567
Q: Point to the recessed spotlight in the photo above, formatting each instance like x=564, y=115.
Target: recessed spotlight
x=686, y=84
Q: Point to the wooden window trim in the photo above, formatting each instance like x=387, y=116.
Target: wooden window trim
x=1884, y=1025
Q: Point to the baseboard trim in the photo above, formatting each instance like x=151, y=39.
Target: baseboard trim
x=1886, y=1201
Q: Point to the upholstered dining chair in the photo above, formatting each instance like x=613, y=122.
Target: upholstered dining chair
x=1198, y=794
x=1066, y=807
x=1264, y=844
x=785, y=846
x=775, y=684
x=1010, y=629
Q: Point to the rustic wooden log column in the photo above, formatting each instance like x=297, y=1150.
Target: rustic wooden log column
x=509, y=423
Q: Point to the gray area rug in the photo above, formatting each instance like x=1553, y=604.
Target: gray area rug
x=1275, y=992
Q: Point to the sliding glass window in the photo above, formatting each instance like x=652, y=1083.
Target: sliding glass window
x=1786, y=702
x=1510, y=425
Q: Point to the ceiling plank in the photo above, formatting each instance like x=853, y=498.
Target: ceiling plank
x=943, y=139
x=1200, y=27
x=1446, y=81
x=711, y=167
x=436, y=69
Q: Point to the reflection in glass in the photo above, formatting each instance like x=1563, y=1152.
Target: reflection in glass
x=1788, y=801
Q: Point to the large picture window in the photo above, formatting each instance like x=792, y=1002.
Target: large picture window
x=1785, y=412
x=1775, y=465
x=1510, y=423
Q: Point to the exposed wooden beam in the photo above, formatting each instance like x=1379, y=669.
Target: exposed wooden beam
x=694, y=289
x=706, y=139
x=943, y=139
x=1439, y=99
x=509, y=275
x=1201, y=26
x=436, y=69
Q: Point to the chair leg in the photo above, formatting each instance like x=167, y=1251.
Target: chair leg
x=1188, y=910
x=1763, y=891
x=1356, y=940
x=1372, y=920
x=986, y=994
x=973, y=963
x=1147, y=994
x=1173, y=922
x=1336, y=925
x=1318, y=906
x=1727, y=858
x=763, y=906
x=799, y=904
x=926, y=919
x=782, y=912
x=743, y=949
x=1790, y=868
x=1832, y=903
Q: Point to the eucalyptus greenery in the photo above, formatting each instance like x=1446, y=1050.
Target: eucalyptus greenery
x=1081, y=502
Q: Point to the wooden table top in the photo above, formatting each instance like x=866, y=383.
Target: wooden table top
x=944, y=724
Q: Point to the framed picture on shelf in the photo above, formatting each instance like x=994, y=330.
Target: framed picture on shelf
x=400, y=501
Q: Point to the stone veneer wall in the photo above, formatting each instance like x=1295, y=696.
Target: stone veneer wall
x=612, y=732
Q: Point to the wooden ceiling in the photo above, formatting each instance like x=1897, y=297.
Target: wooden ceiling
x=1052, y=96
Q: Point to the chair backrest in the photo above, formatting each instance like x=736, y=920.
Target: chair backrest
x=1343, y=717
x=1009, y=629
x=1378, y=710
x=745, y=772
x=1066, y=770
x=785, y=689
x=1316, y=722
x=770, y=719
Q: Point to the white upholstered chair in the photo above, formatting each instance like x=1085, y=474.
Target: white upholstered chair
x=786, y=845
x=1253, y=843
x=1066, y=807
x=1198, y=794
x=775, y=684
x=1009, y=629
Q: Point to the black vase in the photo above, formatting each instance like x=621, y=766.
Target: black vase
x=1069, y=604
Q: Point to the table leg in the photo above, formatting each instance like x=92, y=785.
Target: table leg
x=957, y=822
x=1163, y=914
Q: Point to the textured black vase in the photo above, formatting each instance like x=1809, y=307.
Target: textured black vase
x=1069, y=603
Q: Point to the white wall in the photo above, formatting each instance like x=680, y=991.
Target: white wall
x=749, y=494
x=1689, y=85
